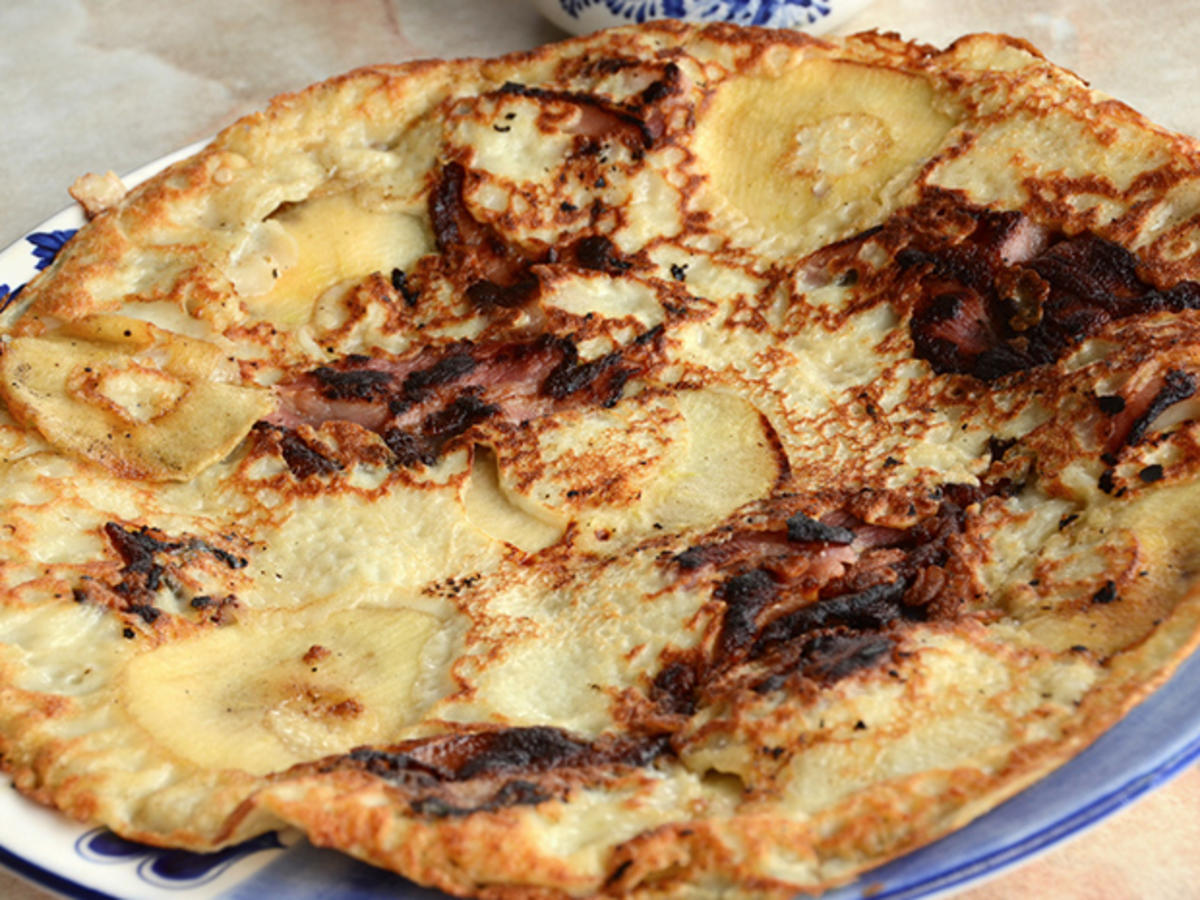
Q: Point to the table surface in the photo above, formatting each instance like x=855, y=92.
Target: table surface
x=93, y=85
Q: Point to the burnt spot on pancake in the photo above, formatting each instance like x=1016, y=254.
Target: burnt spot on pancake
x=873, y=609
x=453, y=227
x=353, y=384
x=1151, y=473
x=312, y=458
x=602, y=375
x=401, y=286
x=522, y=750
x=820, y=602
x=304, y=459
x=829, y=657
x=485, y=293
x=504, y=751
x=428, y=441
x=744, y=596
x=447, y=369
x=663, y=87
x=424, y=405
x=152, y=562
x=140, y=546
x=456, y=774
x=674, y=688
x=1006, y=295
x=801, y=528
x=600, y=253
x=493, y=270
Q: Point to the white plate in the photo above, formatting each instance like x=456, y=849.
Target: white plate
x=1156, y=741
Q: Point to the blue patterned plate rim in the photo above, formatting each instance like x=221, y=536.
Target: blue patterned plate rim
x=47, y=879
x=1154, y=742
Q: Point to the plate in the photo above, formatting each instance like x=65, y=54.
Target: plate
x=1155, y=741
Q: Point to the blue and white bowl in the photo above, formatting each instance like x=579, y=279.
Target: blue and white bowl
x=813, y=16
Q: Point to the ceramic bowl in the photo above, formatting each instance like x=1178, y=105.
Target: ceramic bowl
x=813, y=16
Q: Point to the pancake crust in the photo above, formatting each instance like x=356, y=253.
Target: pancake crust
x=675, y=462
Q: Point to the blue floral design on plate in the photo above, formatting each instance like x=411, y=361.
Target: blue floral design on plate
x=46, y=244
x=743, y=12
x=169, y=868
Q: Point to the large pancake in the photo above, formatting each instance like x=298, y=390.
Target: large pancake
x=676, y=462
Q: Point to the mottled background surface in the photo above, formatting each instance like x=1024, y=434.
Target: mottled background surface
x=113, y=84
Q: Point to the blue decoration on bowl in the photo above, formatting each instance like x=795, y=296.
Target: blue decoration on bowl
x=581, y=16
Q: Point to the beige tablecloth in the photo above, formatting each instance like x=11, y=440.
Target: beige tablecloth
x=92, y=86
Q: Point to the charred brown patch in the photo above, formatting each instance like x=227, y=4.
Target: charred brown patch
x=353, y=384
x=998, y=447
x=1106, y=594
x=139, y=549
x=600, y=381
x=495, y=271
x=674, y=689
x=801, y=528
x=745, y=596
x=303, y=459
x=817, y=601
x=218, y=611
x=310, y=458
x=830, y=656
x=401, y=286
x=522, y=750
x=427, y=442
x=449, y=368
x=140, y=546
x=422, y=406
x=1004, y=295
x=664, y=87
x=604, y=377
x=599, y=253
x=454, y=228
x=452, y=775
x=721, y=553
x=485, y=293
x=151, y=562
x=505, y=751
x=1150, y=474
x=870, y=610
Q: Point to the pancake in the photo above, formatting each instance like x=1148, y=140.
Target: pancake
x=674, y=462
